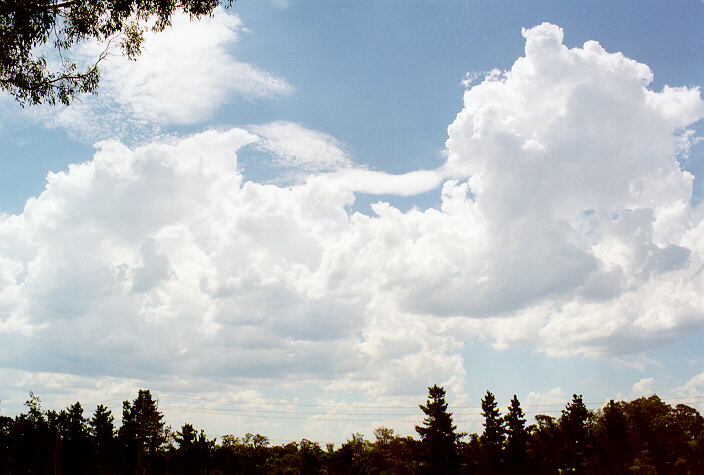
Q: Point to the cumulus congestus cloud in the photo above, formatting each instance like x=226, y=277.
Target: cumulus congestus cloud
x=572, y=162
x=566, y=225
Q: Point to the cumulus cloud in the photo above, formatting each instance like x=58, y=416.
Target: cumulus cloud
x=643, y=387
x=572, y=164
x=693, y=387
x=183, y=75
x=553, y=397
x=566, y=225
x=159, y=260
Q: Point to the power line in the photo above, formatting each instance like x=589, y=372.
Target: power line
x=369, y=406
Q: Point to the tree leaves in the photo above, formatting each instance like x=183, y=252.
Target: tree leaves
x=27, y=26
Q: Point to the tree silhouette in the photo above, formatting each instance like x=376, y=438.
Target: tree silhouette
x=195, y=449
x=643, y=436
x=516, y=455
x=26, y=25
x=102, y=430
x=492, y=439
x=438, y=436
x=545, y=444
x=573, y=424
x=610, y=434
x=31, y=441
x=143, y=431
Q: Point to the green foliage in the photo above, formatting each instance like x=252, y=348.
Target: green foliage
x=28, y=27
x=353, y=456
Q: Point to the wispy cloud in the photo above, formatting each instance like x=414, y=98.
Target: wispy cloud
x=183, y=76
x=298, y=147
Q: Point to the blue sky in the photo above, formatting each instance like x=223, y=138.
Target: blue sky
x=307, y=205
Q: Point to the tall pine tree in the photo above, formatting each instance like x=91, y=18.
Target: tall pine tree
x=102, y=429
x=438, y=436
x=492, y=439
x=516, y=455
x=573, y=425
x=143, y=432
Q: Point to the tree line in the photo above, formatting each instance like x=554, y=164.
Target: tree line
x=642, y=436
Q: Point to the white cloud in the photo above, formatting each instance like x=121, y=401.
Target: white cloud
x=546, y=401
x=381, y=183
x=693, y=387
x=158, y=260
x=318, y=157
x=183, y=75
x=572, y=164
x=643, y=387
x=302, y=148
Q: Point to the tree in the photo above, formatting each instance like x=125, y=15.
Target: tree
x=353, y=456
x=31, y=441
x=194, y=451
x=545, y=443
x=391, y=453
x=28, y=25
x=492, y=439
x=573, y=424
x=143, y=432
x=75, y=443
x=516, y=438
x=611, y=439
x=438, y=436
x=102, y=430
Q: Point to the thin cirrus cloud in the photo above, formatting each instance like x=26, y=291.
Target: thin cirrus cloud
x=182, y=76
x=301, y=148
x=566, y=226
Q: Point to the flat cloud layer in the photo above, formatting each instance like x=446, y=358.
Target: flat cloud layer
x=566, y=226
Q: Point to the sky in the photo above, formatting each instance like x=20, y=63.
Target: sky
x=293, y=217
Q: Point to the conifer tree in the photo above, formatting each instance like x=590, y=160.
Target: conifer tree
x=573, y=425
x=438, y=436
x=143, y=431
x=492, y=439
x=102, y=429
x=516, y=437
